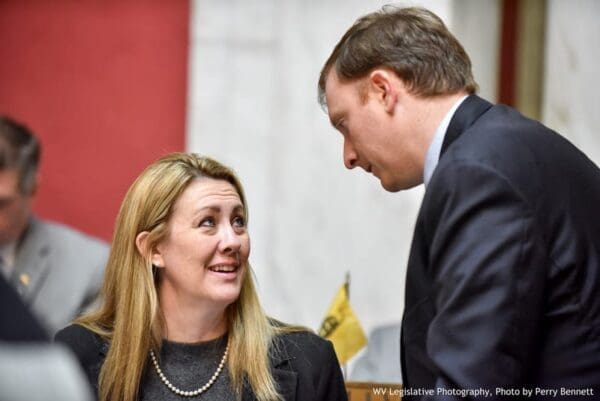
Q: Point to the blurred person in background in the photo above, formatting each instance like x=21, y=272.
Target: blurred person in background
x=503, y=276
x=180, y=316
x=56, y=270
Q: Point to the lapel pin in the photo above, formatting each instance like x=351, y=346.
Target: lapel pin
x=24, y=278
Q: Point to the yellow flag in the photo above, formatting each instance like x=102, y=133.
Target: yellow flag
x=342, y=328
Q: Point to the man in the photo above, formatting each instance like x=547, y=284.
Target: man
x=503, y=279
x=56, y=270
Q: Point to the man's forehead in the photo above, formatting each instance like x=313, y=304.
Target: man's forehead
x=332, y=86
x=332, y=80
x=334, y=114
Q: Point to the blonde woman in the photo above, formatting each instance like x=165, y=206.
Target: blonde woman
x=180, y=317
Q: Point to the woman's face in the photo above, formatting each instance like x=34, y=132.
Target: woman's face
x=203, y=258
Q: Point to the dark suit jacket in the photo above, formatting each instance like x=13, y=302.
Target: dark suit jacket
x=503, y=280
x=304, y=365
x=17, y=323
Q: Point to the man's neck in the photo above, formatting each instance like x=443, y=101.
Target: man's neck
x=436, y=108
x=433, y=151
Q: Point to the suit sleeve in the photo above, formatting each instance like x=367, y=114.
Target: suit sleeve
x=488, y=266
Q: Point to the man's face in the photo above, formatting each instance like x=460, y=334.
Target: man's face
x=14, y=206
x=378, y=135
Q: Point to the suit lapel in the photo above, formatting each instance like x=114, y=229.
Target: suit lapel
x=286, y=381
x=31, y=263
x=285, y=378
x=466, y=114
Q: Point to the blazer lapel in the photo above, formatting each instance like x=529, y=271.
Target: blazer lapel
x=285, y=378
x=31, y=264
x=466, y=114
x=287, y=381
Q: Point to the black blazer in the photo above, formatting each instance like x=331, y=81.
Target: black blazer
x=304, y=365
x=503, y=279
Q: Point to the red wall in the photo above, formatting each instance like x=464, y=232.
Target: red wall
x=103, y=85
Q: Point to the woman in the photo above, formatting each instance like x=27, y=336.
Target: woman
x=180, y=317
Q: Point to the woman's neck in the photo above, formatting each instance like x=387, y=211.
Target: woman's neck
x=192, y=323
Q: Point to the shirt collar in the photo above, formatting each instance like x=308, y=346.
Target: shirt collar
x=7, y=255
x=435, y=147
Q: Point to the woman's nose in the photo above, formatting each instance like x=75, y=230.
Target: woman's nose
x=230, y=240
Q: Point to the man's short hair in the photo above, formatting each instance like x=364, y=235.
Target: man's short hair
x=19, y=149
x=413, y=42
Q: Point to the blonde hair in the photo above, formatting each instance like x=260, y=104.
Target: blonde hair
x=130, y=308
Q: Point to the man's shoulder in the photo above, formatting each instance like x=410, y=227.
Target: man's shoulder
x=62, y=230
x=59, y=234
x=502, y=134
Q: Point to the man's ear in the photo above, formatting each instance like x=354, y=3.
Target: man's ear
x=383, y=86
x=141, y=243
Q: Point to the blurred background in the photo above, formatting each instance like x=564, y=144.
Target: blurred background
x=109, y=86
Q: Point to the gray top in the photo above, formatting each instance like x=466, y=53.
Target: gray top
x=188, y=367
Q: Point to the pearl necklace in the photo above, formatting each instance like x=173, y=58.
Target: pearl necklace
x=194, y=393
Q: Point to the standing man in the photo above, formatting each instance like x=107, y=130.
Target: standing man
x=503, y=279
x=56, y=270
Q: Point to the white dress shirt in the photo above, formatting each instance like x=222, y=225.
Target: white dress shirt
x=435, y=147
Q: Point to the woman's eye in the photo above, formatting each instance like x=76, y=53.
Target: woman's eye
x=207, y=222
x=239, y=222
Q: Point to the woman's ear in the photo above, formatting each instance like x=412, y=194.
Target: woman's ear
x=141, y=243
x=383, y=86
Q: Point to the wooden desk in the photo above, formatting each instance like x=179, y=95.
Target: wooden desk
x=370, y=391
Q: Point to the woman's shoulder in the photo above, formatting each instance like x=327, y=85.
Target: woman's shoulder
x=299, y=337
x=88, y=346
x=312, y=359
x=299, y=343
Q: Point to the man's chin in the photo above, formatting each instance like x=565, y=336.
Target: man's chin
x=396, y=186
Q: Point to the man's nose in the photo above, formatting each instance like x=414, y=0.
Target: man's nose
x=350, y=157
